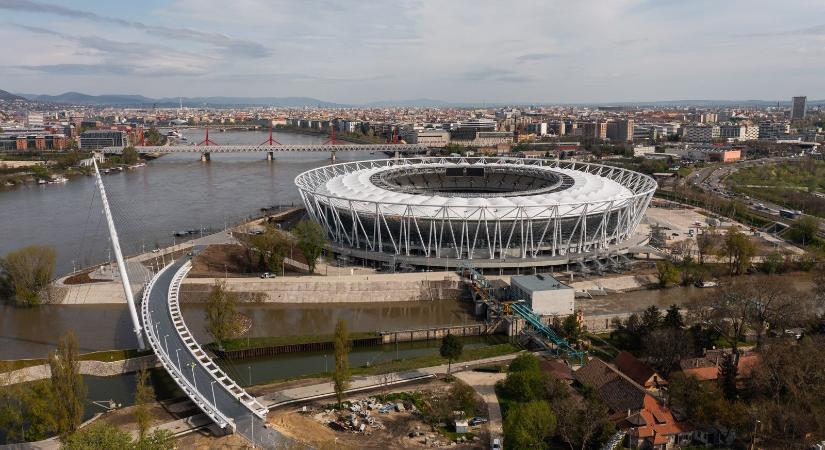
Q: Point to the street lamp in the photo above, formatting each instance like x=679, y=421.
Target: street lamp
x=177, y=355
x=194, y=380
x=212, y=385
x=166, y=344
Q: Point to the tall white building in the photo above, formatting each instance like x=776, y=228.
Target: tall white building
x=34, y=119
x=737, y=132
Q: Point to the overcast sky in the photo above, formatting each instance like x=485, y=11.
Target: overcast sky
x=454, y=50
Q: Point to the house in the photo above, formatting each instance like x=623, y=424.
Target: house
x=649, y=424
x=557, y=369
x=706, y=368
x=639, y=372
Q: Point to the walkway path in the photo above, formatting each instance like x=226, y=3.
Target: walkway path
x=485, y=384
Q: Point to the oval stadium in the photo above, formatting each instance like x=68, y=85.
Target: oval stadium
x=491, y=212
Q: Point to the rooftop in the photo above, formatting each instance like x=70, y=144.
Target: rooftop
x=538, y=282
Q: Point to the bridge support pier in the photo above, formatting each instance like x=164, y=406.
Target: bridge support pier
x=205, y=157
x=332, y=155
x=397, y=155
x=270, y=156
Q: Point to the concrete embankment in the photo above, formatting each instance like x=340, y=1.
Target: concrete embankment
x=336, y=289
x=93, y=368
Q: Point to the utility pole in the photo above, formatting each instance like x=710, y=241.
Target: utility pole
x=121, y=265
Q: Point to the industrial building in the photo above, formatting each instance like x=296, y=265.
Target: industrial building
x=544, y=294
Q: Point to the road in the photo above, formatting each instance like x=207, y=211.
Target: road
x=485, y=384
x=712, y=180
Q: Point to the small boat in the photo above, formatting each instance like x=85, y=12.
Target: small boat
x=60, y=179
x=707, y=284
x=41, y=181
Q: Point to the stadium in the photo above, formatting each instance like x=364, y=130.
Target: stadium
x=499, y=212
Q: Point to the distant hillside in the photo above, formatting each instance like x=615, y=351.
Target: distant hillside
x=9, y=97
x=77, y=98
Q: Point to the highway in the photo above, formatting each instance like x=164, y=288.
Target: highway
x=220, y=398
x=712, y=180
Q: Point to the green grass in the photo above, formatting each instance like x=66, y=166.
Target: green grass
x=436, y=360
x=106, y=356
x=273, y=341
x=452, y=435
x=114, y=355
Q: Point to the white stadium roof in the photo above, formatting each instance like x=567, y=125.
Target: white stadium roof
x=356, y=190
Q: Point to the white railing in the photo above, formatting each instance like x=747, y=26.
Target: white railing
x=175, y=372
x=197, y=352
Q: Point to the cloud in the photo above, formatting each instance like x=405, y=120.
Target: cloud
x=120, y=58
x=490, y=74
x=530, y=57
x=109, y=69
x=227, y=44
x=817, y=30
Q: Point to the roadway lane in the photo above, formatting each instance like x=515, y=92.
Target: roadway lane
x=212, y=390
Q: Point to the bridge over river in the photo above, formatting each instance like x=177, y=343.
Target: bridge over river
x=270, y=150
x=213, y=391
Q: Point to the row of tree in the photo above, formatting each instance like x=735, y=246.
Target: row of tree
x=540, y=411
x=41, y=409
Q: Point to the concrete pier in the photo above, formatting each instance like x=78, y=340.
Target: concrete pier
x=206, y=157
x=270, y=156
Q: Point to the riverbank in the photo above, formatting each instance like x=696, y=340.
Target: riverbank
x=340, y=136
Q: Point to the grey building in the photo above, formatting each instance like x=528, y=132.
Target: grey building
x=96, y=139
x=800, y=106
x=546, y=295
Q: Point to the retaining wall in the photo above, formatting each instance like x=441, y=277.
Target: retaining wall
x=94, y=368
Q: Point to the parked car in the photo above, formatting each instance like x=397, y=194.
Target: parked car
x=267, y=275
x=496, y=444
x=477, y=421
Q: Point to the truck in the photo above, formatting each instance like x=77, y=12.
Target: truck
x=789, y=214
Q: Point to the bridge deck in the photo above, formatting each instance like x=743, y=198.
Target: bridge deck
x=250, y=148
x=227, y=404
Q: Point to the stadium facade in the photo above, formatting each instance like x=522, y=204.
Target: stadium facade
x=494, y=212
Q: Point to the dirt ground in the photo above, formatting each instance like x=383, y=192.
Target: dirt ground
x=395, y=429
x=217, y=260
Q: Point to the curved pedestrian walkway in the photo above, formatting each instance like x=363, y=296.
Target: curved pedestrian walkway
x=201, y=379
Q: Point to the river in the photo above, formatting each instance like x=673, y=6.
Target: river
x=174, y=192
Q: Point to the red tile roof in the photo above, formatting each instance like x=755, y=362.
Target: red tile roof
x=637, y=370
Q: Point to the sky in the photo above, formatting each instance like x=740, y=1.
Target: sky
x=347, y=51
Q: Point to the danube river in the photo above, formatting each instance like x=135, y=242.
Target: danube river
x=174, y=192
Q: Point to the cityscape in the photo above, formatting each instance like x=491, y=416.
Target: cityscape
x=412, y=225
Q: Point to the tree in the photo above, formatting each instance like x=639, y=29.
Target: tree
x=525, y=362
x=341, y=375
x=27, y=411
x=673, y=317
x=651, y=319
x=67, y=385
x=739, y=251
x=451, y=348
x=804, y=229
x=528, y=425
x=707, y=244
x=311, y=241
x=582, y=424
x=144, y=396
x=98, y=436
x=773, y=263
x=525, y=381
x=221, y=316
x=27, y=273
x=271, y=247
x=667, y=273
x=572, y=329
x=667, y=346
x=130, y=155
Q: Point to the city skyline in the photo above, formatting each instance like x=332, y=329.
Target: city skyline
x=627, y=51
